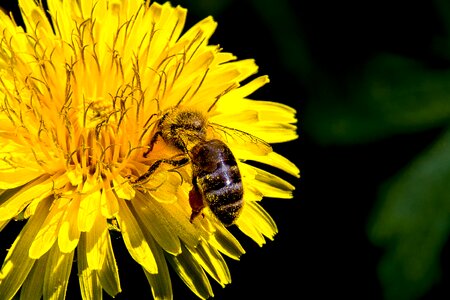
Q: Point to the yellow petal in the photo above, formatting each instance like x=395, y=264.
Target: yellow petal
x=89, y=283
x=232, y=72
x=248, y=229
x=256, y=223
x=178, y=217
x=123, y=188
x=243, y=91
x=134, y=239
x=3, y=224
x=223, y=57
x=87, y=8
x=34, y=17
x=265, y=183
x=192, y=274
x=263, y=221
x=18, y=264
x=47, y=234
x=15, y=177
x=172, y=20
x=226, y=243
x=108, y=202
x=160, y=283
x=269, y=121
x=272, y=112
x=167, y=191
x=7, y=23
x=109, y=274
x=96, y=243
x=212, y=262
x=69, y=234
x=75, y=175
x=163, y=33
x=273, y=132
x=60, y=12
x=153, y=220
x=276, y=160
x=200, y=32
x=57, y=273
x=36, y=190
x=220, y=79
x=32, y=288
x=89, y=205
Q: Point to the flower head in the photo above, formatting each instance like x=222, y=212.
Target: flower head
x=89, y=142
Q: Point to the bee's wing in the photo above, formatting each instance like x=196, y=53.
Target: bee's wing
x=240, y=139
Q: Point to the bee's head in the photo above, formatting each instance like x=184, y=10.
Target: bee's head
x=183, y=128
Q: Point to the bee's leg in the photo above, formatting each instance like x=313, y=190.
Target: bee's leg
x=174, y=162
x=152, y=143
x=195, y=200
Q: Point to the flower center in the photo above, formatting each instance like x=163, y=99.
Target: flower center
x=97, y=112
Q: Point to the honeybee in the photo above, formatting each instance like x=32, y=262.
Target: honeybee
x=216, y=178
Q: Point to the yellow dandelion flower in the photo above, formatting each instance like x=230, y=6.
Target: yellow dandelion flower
x=112, y=118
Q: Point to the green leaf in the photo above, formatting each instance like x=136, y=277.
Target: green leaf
x=412, y=222
x=392, y=95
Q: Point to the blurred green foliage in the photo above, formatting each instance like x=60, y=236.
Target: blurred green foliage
x=391, y=95
x=412, y=221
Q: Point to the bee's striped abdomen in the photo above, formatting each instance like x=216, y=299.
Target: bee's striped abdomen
x=218, y=179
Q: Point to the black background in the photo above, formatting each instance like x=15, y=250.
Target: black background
x=322, y=250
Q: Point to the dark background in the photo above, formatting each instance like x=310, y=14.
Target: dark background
x=310, y=49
